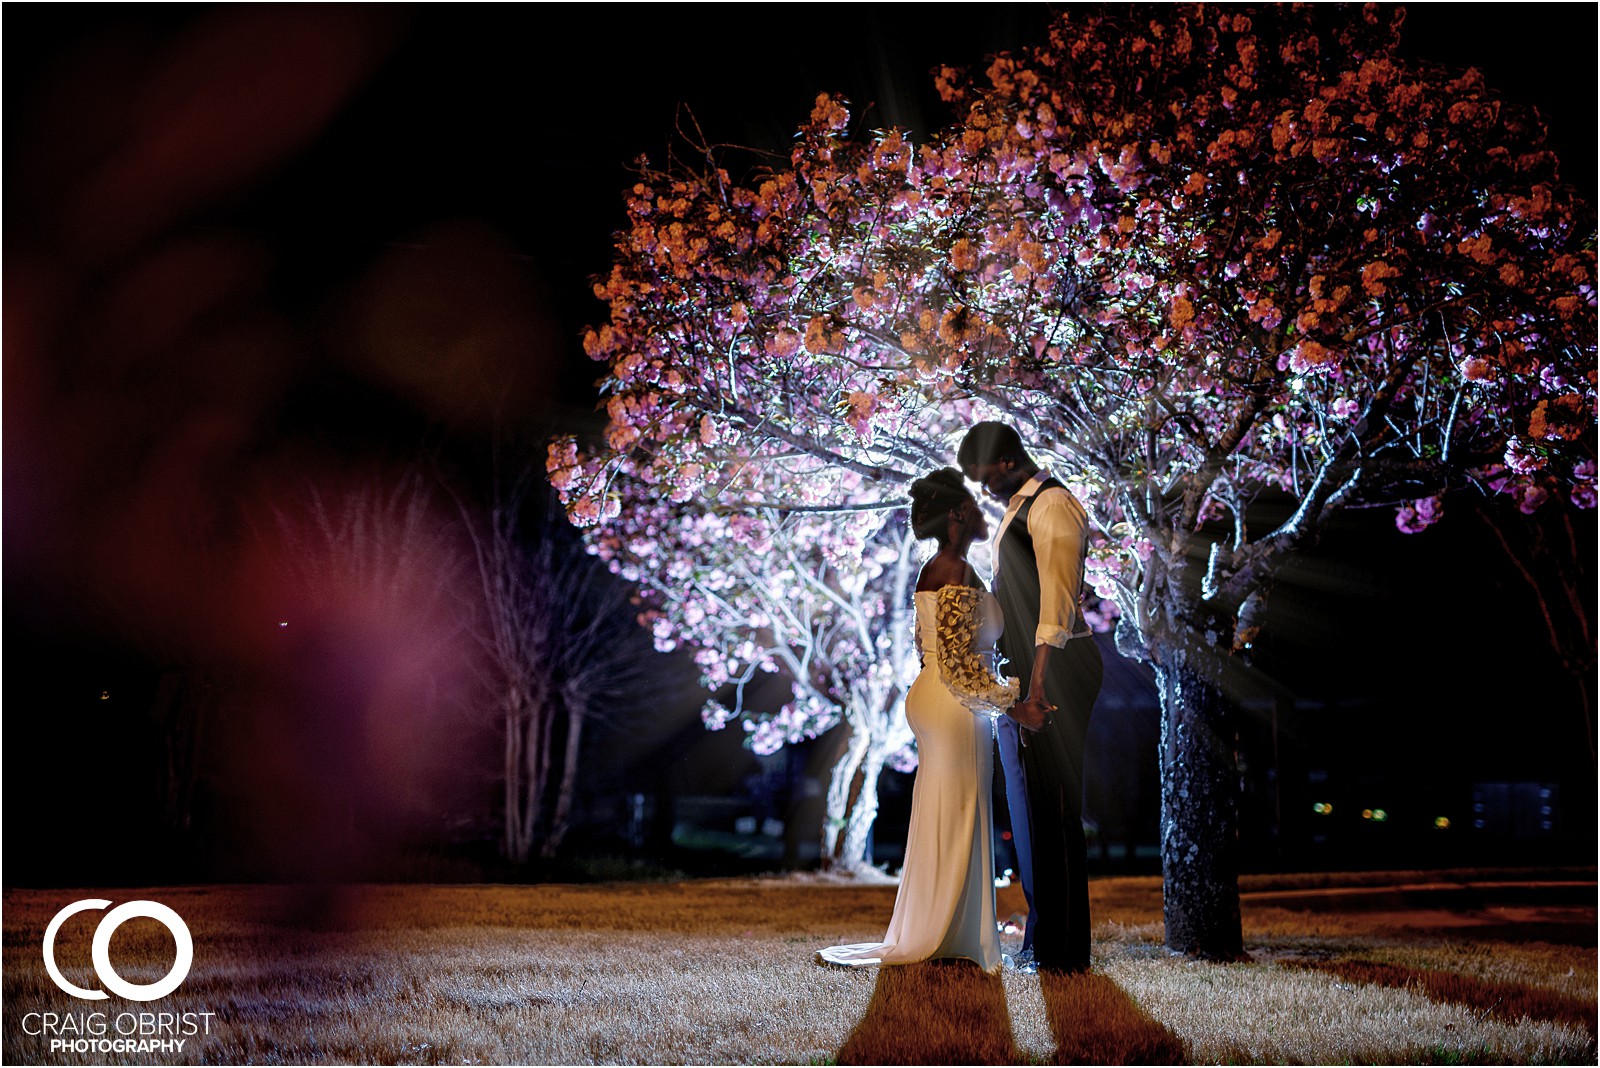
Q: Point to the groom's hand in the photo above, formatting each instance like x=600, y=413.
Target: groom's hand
x=1032, y=712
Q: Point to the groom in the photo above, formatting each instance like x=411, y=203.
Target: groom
x=1038, y=579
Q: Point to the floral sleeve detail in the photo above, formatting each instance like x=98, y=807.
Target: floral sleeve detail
x=963, y=672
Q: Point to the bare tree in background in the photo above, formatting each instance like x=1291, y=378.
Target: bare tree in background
x=559, y=647
x=373, y=543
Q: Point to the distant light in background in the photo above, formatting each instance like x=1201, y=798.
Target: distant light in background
x=1442, y=822
x=105, y=695
x=1322, y=808
x=1546, y=808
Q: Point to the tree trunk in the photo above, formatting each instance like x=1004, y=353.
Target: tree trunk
x=855, y=855
x=526, y=766
x=569, y=781
x=1199, y=813
x=535, y=745
x=511, y=776
x=836, y=818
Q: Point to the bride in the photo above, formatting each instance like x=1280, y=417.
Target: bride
x=945, y=906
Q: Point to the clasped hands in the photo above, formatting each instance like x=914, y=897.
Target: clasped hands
x=1032, y=712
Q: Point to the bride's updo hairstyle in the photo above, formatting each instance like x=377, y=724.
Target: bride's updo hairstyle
x=932, y=500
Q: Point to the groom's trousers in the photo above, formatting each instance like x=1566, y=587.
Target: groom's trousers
x=1050, y=767
x=1016, y=782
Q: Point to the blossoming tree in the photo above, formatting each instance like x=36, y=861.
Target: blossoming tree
x=1231, y=272
x=757, y=587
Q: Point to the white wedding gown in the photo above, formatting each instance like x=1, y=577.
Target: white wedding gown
x=945, y=906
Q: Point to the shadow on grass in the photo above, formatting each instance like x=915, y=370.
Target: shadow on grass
x=936, y=1012
x=1509, y=1002
x=1094, y=1021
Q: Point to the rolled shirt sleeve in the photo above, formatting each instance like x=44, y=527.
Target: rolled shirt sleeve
x=1058, y=526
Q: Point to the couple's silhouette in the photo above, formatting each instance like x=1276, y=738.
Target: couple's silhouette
x=1039, y=716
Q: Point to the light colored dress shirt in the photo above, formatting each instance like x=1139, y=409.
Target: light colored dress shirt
x=1058, y=526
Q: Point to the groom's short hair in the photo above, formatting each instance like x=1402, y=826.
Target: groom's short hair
x=989, y=443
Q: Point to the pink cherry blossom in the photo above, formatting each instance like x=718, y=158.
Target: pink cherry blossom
x=1260, y=253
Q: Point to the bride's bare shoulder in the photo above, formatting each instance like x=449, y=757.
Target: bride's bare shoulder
x=938, y=573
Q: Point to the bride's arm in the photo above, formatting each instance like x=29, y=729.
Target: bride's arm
x=963, y=672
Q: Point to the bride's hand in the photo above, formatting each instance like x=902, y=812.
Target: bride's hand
x=1032, y=713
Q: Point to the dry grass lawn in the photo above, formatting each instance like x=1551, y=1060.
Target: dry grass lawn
x=721, y=972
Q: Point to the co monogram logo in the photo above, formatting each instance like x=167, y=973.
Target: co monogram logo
x=100, y=950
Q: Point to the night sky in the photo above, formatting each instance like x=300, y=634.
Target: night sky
x=246, y=242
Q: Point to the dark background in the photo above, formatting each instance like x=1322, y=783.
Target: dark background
x=247, y=243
